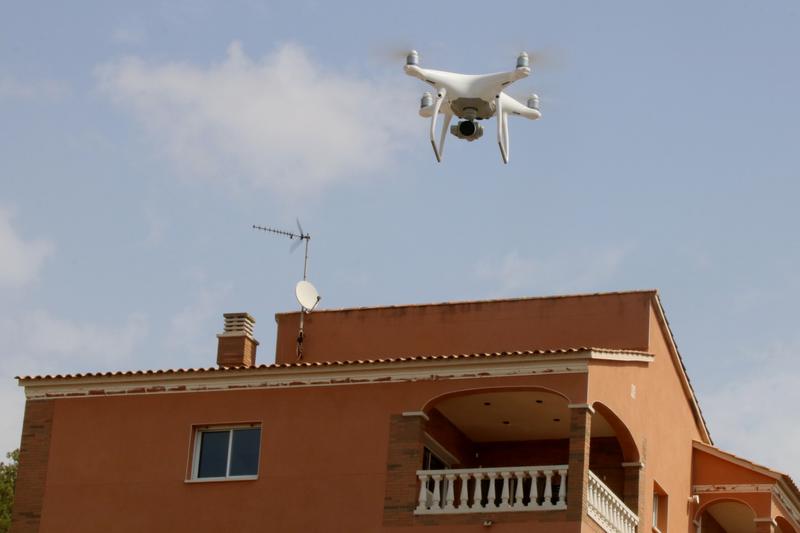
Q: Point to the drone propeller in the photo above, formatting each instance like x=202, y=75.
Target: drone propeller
x=393, y=52
x=547, y=58
x=300, y=238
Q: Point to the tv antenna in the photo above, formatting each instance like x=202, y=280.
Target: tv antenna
x=307, y=296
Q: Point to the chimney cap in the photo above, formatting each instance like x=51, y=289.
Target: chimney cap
x=237, y=325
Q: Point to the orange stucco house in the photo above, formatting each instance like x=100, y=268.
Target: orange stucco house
x=567, y=414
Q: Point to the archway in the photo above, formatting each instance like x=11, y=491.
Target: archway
x=784, y=526
x=613, y=455
x=726, y=515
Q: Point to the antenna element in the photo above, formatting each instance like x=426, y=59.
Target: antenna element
x=307, y=295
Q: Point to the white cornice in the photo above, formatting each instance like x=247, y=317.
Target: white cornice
x=284, y=377
x=791, y=507
x=733, y=487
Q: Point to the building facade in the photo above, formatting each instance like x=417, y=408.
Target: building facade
x=570, y=413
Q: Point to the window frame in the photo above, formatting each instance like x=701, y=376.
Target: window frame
x=196, y=446
x=660, y=509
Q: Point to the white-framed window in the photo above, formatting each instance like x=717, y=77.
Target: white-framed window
x=230, y=452
x=655, y=510
x=660, y=506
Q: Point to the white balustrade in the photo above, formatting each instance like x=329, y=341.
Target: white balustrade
x=608, y=510
x=492, y=490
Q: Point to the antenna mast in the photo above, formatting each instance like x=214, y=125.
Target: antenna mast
x=306, y=294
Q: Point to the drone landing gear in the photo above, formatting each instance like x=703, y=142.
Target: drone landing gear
x=439, y=149
x=502, y=129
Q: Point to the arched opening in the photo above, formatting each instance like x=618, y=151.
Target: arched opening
x=784, y=526
x=609, y=424
x=614, y=456
x=726, y=516
x=500, y=427
x=496, y=448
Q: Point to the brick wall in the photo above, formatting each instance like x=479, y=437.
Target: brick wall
x=32, y=474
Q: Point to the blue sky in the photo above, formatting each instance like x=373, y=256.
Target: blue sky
x=138, y=144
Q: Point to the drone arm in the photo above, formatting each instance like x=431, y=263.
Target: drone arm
x=440, y=96
x=497, y=82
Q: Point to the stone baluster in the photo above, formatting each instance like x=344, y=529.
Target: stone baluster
x=449, y=489
x=534, y=487
x=423, y=492
x=491, y=495
x=476, y=491
x=548, y=489
x=562, y=488
x=463, y=498
x=505, y=490
x=437, y=495
x=518, y=495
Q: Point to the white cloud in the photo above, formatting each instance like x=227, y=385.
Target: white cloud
x=192, y=329
x=21, y=260
x=129, y=34
x=754, y=414
x=38, y=342
x=14, y=89
x=579, y=271
x=282, y=122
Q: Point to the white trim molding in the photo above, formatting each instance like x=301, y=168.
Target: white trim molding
x=280, y=377
x=767, y=520
x=420, y=414
x=635, y=464
x=739, y=487
x=581, y=406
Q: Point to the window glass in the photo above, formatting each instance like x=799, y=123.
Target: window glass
x=213, y=460
x=430, y=461
x=244, y=452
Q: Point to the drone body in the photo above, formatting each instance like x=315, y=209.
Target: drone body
x=471, y=98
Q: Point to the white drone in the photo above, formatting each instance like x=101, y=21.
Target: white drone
x=472, y=97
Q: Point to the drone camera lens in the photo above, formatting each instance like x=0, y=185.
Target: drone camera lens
x=466, y=128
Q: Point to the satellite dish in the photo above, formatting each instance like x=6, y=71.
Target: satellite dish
x=307, y=295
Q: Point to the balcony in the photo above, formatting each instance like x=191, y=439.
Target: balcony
x=512, y=451
x=608, y=510
x=484, y=490
x=517, y=489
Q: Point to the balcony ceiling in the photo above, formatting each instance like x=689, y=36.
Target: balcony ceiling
x=514, y=416
x=733, y=517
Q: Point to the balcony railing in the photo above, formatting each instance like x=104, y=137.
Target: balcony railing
x=492, y=490
x=608, y=510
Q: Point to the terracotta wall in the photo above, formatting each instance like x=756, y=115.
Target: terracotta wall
x=651, y=402
x=601, y=321
x=119, y=463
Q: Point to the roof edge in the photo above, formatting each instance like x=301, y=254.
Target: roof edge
x=472, y=302
x=614, y=354
x=686, y=383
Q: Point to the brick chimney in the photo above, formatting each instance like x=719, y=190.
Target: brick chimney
x=236, y=345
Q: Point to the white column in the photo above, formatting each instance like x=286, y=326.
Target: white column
x=476, y=491
x=437, y=495
x=548, y=489
x=505, y=490
x=464, y=494
x=534, y=487
x=423, y=493
x=518, y=494
x=492, y=493
x=562, y=489
x=450, y=488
